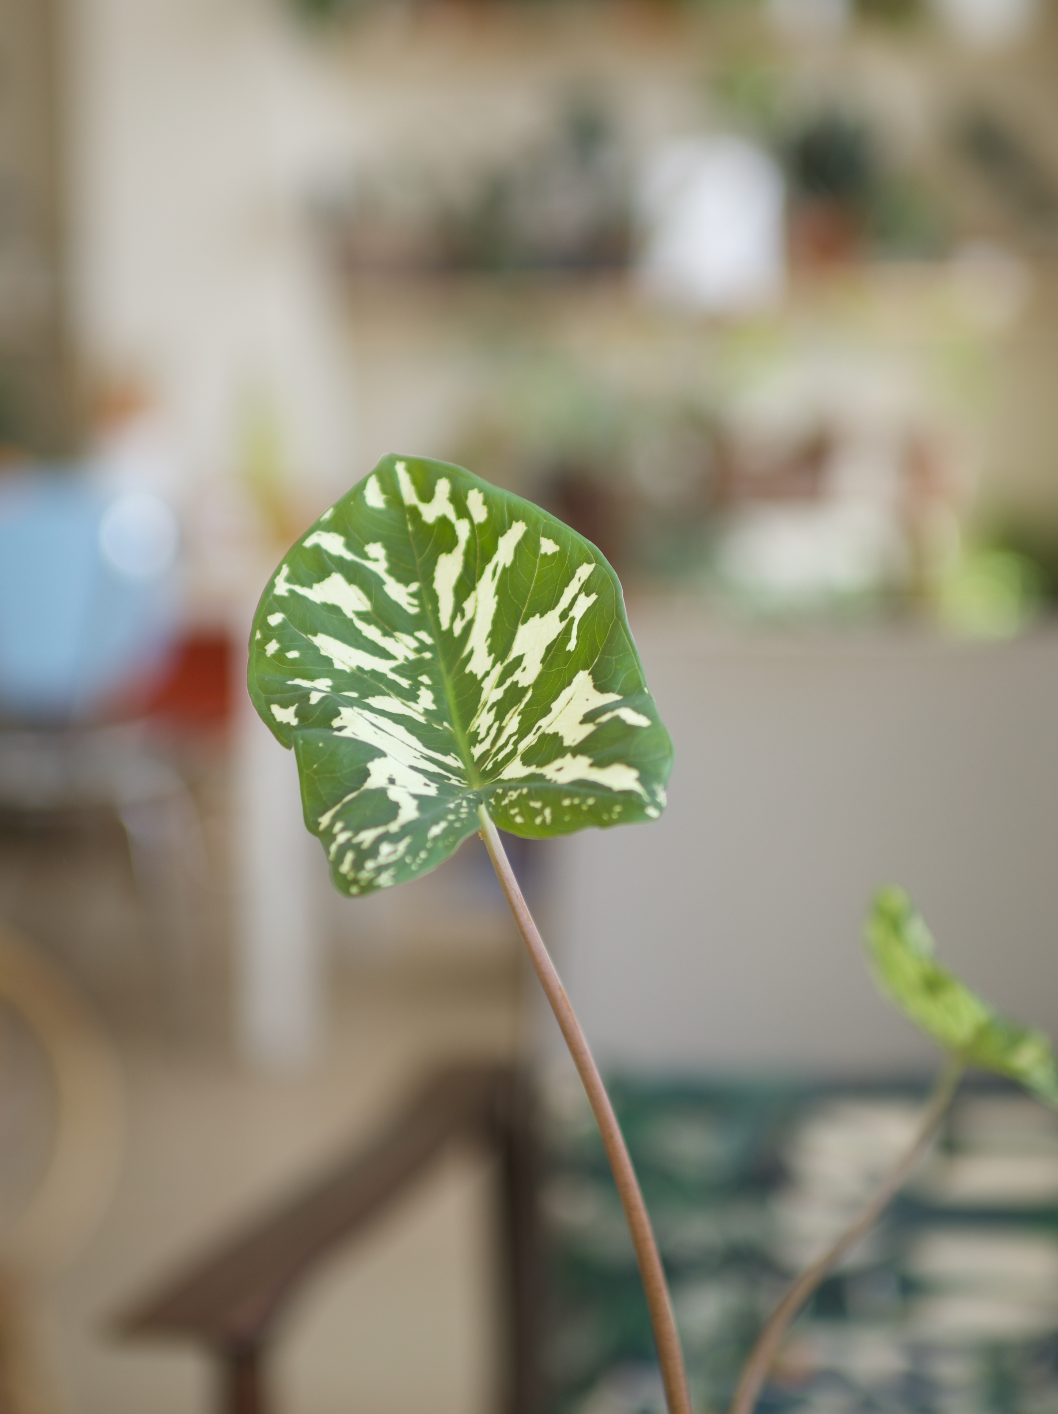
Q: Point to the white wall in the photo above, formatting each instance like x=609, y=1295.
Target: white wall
x=807, y=774
x=194, y=130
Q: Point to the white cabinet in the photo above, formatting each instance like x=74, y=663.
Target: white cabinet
x=809, y=772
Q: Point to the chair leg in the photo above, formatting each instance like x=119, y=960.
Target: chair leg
x=243, y=1385
x=168, y=860
x=521, y=1257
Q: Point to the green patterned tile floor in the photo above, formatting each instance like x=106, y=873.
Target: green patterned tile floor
x=949, y=1307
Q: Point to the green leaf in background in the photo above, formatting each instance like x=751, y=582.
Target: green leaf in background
x=433, y=643
x=903, y=957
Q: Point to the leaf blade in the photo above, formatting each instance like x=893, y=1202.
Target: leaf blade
x=905, y=969
x=433, y=643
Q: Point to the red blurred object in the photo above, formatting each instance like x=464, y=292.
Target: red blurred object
x=196, y=689
x=823, y=234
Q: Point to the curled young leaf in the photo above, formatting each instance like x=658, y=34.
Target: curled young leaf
x=432, y=644
x=903, y=958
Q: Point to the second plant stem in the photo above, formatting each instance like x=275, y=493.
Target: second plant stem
x=763, y=1354
x=659, y=1303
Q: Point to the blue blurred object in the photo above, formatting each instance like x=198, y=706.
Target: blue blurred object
x=88, y=594
x=88, y=613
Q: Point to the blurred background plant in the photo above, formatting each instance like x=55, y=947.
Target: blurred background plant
x=775, y=210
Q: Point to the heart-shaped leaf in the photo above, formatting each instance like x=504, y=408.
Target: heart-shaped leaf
x=903, y=956
x=433, y=644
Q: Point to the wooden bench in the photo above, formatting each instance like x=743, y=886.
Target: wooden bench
x=234, y=1299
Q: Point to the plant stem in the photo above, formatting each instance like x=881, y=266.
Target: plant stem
x=666, y=1337
x=756, y=1368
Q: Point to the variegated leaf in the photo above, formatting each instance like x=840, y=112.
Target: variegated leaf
x=903, y=957
x=432, y=644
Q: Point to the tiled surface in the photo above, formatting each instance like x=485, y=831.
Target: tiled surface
x=949, y=1306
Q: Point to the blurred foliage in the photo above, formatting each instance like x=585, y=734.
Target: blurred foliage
x=834, y=159
x=903, y=958
x=897, y=13
x=752, y=95
x=321, y=10
x=1001, y=582
x=1009, y=164
x=834, y=162
x=562, y=200
x=1035, y=542
x=325, y=11
x=990, y=591
x=637, y=473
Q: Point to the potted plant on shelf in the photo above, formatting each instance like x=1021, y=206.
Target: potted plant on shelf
x=446, y=658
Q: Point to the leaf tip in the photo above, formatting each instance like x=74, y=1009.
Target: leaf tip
x=894, y=919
